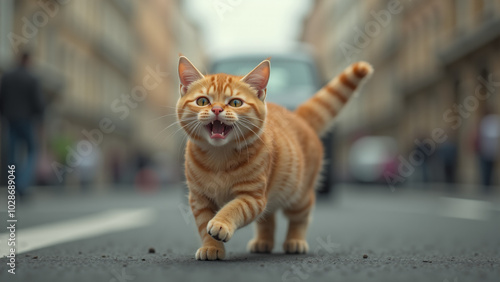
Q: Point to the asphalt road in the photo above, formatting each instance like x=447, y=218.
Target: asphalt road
x=404, y=235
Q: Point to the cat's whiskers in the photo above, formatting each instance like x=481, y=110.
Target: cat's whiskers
x=171, y=107
x=243, y=122
x=167, y=127
x=192, y=127
x=196, y=129
x=172, y=114
x=160, y=117
x=177, y=111
x=244, y=139
x=252, y=122
x=250, y=117
x=178, y=122
x=183, y=143
x=174, y=108
x=181, y=127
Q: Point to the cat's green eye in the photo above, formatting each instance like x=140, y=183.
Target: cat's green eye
x=235, y=103
x=202, y=101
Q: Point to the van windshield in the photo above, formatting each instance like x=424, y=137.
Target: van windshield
x=291, y=82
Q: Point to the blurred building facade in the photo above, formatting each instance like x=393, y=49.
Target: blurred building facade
x=428, y=56
x=176, y=35
x=107, y=69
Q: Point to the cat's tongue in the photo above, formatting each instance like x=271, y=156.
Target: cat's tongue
x=218, y=127
x=218, y=130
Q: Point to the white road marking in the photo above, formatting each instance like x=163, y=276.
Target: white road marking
x=465, y=208
x=46, y=235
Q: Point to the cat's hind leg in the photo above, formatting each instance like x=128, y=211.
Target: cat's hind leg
x=264, y=235
x=299, y=217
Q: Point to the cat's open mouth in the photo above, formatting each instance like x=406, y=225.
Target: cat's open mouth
x=218, y=130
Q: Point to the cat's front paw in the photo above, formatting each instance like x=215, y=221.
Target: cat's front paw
x=219, y=230
x=210, y=253
x=295, y=246
x=260, y=246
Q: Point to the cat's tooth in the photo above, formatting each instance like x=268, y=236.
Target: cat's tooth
x=212, y=123
x=222, y=133
x=212, y=133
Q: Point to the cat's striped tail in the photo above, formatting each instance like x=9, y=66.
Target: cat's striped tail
x=323, y=107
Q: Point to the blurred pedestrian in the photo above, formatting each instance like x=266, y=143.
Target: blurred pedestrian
x=448, y=153
x=115, y=166
x=425, y=167
x=488, y=146
x=21, y=106
x=146, y=178
x=89, y=166
x=58, y=145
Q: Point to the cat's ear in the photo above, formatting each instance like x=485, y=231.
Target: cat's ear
x=188, y=74
x=259, y=77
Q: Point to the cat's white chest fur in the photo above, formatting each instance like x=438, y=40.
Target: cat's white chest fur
x=218, y=189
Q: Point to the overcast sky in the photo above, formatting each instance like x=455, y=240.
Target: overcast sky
x=235, y=23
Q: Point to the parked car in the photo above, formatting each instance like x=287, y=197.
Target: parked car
x=371, y=158
x=294, y=79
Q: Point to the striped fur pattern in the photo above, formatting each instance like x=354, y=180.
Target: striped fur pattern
x=266, y=159
x=320, y=110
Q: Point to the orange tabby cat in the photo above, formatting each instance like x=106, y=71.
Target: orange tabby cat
x=246, y=159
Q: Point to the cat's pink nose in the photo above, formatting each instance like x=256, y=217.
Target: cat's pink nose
x=217, y=110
